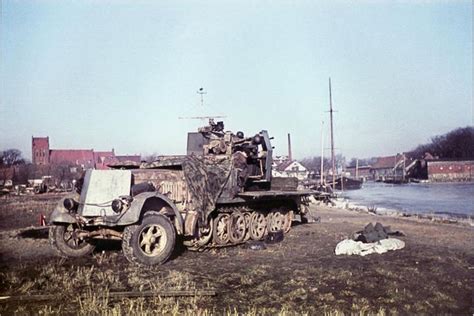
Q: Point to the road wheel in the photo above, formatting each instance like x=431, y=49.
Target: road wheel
x=66, y=241
x=221, y=232
x=287, y=220
x=258, y=226
x=204, y=238
x=151, y=242
x=275, y=221
x=247, y=216
x=237, y=227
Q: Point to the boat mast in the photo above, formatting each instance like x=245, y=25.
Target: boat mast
x=321, y=170
x=333, y=161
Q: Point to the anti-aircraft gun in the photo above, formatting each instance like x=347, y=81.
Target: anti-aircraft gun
x=220, y=193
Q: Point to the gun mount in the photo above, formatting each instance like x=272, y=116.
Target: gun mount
x=221, y=193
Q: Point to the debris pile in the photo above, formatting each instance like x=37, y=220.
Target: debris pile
x=373, y=239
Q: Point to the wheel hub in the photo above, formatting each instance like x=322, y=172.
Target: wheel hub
x=152, y=240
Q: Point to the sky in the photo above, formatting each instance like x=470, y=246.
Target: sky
x=120, y=74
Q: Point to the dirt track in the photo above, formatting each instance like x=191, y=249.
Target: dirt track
x=433, y=274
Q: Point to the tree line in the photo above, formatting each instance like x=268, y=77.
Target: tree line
x=456, y=144
x=13, y=166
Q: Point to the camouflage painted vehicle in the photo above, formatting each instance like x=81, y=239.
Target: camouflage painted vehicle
x=221, y=193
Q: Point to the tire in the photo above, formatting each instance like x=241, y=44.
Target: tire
x=151, y=242
x=62, y=239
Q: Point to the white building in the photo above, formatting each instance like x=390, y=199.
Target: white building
x=290, y=168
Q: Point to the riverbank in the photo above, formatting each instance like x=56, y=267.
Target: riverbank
x=345, y=204
x=436, y=201
x=301, y=274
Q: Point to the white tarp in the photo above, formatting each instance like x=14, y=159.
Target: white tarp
x=351, y=247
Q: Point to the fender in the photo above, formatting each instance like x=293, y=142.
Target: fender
x=60, y=214
x=133, y=213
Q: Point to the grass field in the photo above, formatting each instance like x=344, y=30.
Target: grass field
x=300, y=275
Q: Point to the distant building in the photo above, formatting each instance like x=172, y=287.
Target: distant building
x=40, y=150
x=383, y=166
x=450, y=170
x=363, y=172
x=290, y=168
x=279, y=159
x=6, y=176
x=398, y=165
x=104, y=158
x=85, y=158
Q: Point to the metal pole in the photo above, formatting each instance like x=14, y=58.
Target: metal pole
x=321, y=170
x=333, y=160
x=290, y=157
x=357, y=168
x=404, y=167
x=342, y=178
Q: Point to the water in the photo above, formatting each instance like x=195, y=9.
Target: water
x=455, y=199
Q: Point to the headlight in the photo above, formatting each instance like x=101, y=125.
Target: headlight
x=117, y=205
x=70, y=204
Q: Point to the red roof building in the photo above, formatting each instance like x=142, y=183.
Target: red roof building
x=445, y=170
x=79, y=157
x=85, y=158
x=398, y=165
x=102, y=158
x=388, y=162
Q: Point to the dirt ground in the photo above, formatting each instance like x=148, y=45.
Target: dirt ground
x=433, y=274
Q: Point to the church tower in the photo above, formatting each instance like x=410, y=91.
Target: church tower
x=40, y=150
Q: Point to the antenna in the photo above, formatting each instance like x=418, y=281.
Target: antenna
x=201, y=92
x=200, y=117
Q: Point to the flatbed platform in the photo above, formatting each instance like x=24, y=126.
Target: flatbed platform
x=271, y=193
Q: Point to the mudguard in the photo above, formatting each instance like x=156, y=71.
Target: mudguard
x=133, y=213
x=60, y=214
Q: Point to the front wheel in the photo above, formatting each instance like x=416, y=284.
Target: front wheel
x=66, y=241
x=151, y=242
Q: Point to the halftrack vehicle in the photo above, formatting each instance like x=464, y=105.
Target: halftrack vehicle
x=220, y=193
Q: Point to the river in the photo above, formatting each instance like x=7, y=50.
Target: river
x=453, y=199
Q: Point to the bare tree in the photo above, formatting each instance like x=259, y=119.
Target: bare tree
x=9, y=160
x=457, y=144
x=314, y=163
x=11, y=157
x=362, y=162
x=62, y=172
